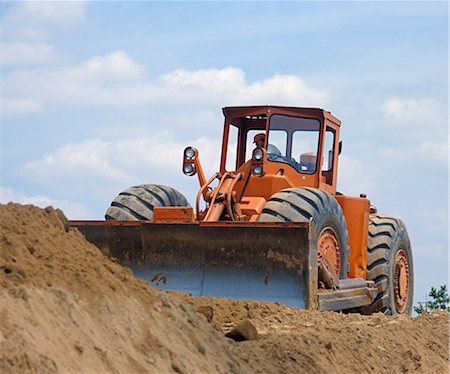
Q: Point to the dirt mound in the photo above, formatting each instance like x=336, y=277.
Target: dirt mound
x=67, y=308
x=325, y=342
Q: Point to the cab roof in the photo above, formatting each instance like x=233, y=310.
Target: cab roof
x=255, y=110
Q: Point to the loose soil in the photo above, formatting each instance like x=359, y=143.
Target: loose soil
x=66, y=308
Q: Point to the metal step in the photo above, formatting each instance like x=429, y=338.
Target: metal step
x=363, y=293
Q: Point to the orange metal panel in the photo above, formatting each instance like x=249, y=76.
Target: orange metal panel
x=173, y=214
x=277, y=177
x=326, y=187
x=356, y=212
x=281, y=170
x=252, y=207
x=265, y=186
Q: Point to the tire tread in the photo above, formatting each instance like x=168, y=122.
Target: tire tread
x=302, y=204
x=136, y=203
x=384, y=233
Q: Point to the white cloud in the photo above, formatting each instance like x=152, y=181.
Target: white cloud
x=88, y=158
x=101, y=80
x=100, y=168
x=219, y=80
x=107, y=68
x=415, y=131
x=286, y=90
x=353, y=178
x=185, y=123
x=26, y=53
x=54, y=12
x=423, y=110
x=26, y=26
x=159, y=152
x=32, y=19
x=229, y=85
x=115, y=79
x=12, y=107
x=72, y=210
x=419, y=154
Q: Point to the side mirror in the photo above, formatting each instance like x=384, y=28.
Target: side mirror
x=340, y=147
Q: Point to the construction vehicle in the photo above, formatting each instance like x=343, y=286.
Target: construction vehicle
x=269, y=225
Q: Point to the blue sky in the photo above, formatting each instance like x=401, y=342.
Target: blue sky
x=98, y=96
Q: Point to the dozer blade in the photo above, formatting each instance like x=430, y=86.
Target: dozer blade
x=253, y=261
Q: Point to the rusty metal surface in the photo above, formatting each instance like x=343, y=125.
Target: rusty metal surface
x=239, y=111
x=173, y=214
x=76, y=223
x=260, y=261
x=401, y=280
x=345, y=284
x=346, y=299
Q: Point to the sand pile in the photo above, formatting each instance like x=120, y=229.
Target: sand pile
x=329, y=342
x=66, y=308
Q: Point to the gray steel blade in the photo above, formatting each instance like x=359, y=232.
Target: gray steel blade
x=254, y=261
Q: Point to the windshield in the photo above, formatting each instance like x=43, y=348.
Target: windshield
x=295, y=141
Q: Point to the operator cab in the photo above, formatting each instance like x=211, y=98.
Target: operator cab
x=303, y=140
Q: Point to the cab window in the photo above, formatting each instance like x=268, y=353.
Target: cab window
x=301, y=144
x=328, y=155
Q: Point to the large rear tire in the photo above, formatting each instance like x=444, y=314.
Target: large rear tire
x=390, y=266
x=136, y=203
x=301, y=204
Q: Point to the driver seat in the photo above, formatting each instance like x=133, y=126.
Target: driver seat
x=308, y=161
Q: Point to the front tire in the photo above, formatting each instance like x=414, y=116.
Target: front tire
x=136, y=203
x=390, y=266
x=301, y=204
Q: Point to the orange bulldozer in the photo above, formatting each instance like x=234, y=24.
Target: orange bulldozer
x=269, y=225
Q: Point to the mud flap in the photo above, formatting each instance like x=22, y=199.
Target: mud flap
x=254, y=261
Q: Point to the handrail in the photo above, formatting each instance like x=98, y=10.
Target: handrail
x=229, y=195
x=213, y=198
x=200, y=192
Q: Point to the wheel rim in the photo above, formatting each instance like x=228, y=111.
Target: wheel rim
x=328, y=246
x=401, y=281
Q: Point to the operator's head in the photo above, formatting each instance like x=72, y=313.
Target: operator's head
x=259, y=140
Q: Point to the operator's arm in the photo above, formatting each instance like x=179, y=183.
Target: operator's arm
x=273, y=153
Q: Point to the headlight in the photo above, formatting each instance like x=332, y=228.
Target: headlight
x=257, y=169
x=188, y=169
x=258, y=154
x=189, y=153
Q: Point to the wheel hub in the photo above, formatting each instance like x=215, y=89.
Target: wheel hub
x=328, y=246
x=401, y=281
